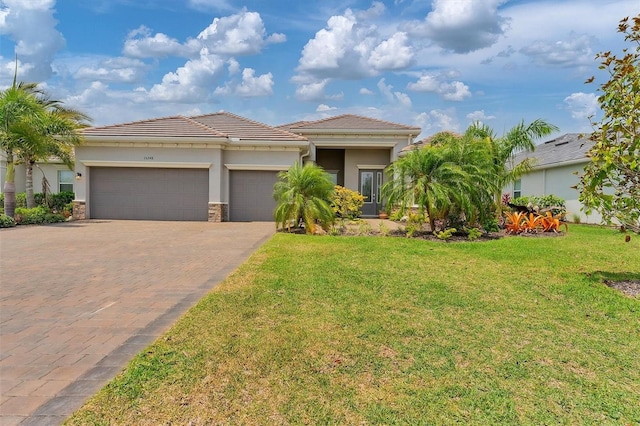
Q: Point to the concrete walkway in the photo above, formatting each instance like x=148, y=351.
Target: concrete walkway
x=79, y=300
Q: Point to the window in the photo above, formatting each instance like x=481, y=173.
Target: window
x=65, y=180
x=334, y=176
x=517, y=188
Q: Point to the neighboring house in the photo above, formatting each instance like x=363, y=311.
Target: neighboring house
x=60, y=178
x=559, y=163
x=221, y=167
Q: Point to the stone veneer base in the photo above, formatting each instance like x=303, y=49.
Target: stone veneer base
x=218, y=212
x=79, y=210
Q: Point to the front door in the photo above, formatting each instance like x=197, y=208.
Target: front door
x=370, y=185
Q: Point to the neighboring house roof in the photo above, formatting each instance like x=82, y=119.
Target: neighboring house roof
x=219, y=125
x=569, y=148
x=351, y=124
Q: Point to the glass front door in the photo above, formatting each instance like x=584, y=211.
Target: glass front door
x=370, y=186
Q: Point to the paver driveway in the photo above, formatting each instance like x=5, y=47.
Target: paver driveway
x=78, y=300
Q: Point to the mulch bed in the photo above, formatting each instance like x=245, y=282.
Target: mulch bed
x=630, y=288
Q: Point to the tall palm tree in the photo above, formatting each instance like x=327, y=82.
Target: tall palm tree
x=53, y=132
x=303, y=192
x=16, y=102
x=503, y=149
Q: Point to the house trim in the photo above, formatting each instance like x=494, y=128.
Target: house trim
x=371, y=166
x=155, y=164
x=265, y=167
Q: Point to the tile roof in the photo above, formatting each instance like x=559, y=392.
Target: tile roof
x=567, y=148
x=167, y=127
x=235, y=126
x=218, y=125
x=349, y=122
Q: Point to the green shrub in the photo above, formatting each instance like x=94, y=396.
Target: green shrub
x=446, y=234
x=346, y=203
x=59, y=201
x=36, y=215
x=473, y=234
x=6, y=221
x=543, y=202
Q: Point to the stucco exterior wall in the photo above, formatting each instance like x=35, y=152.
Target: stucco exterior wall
x=558, y=181
x=357, y=159
x=50, y=170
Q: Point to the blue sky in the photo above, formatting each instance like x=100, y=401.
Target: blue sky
x=437, y=64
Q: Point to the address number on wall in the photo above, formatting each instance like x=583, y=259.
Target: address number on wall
x=148, y=158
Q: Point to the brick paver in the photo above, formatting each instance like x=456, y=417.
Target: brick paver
x=78, y=300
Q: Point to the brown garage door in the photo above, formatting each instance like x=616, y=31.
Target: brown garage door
x=149, y=194
x=251, y=195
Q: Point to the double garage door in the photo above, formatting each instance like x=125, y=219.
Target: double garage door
x=176, y=194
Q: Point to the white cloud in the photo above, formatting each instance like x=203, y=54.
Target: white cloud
x=574, y=50
x=192, y=82
x=437, y=120
x=479, y=116
x=349, y=48
x=582, y=105
x=141, y=44
x=461, y=26
x=239, y=34
x=117, y=70
x=325, y=108
x=393, y=97
x=365, y=91
x=251, y=86
x=315, y=91
x=32, y=26
x=392, y=54
x=436, y=83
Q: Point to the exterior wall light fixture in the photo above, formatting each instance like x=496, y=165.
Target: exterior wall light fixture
x=78, y=176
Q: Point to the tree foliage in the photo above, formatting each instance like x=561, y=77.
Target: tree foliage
x=303, y=193
x=457, y=179
x=611, y=181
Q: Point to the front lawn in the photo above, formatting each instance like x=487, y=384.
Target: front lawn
x=373, y=330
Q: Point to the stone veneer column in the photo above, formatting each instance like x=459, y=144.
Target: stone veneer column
x=218, y=212
x=79, y=210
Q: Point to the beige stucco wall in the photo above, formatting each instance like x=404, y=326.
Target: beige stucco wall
x=357, y=159
x=50, y=170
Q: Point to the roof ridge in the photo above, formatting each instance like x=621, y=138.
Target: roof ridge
x=357, y=116
x=248, y=120
x=208, y=128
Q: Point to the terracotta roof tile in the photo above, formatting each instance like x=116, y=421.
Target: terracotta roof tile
x=235, y=126
x=177, y=127
x=218, y=125
x=349, y=122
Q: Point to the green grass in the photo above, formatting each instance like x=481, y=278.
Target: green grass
x=372, y=330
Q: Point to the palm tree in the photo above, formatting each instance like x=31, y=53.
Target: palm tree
x=16, y=102
x=303, y=192
x=52, y=133
x=503, y=149
x=433, y=179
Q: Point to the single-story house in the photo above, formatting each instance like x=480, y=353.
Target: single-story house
x=559, y=163
x=222, y=167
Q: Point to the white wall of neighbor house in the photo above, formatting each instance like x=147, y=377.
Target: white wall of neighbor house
x=558, y=181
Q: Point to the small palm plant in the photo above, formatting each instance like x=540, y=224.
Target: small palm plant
x=303, y=193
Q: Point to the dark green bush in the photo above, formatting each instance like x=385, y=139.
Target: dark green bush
x=57, y=202
x=543, y=202
x=37, y=215
x=6, y=221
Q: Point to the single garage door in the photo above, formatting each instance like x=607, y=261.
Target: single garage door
x=251, y=195
x=149, y=193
